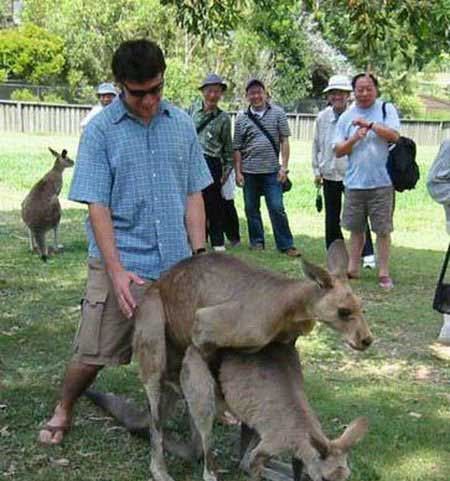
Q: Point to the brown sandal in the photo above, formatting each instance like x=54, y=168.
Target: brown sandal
x=353, y=275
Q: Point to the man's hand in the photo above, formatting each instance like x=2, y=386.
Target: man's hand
x=239, y=179
x=360, y=134
x=121, y=280
x=282, y=174
x=360, y=122
x=318, y=180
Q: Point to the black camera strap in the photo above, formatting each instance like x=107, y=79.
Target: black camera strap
x=207, y=121
x=444, y=267
x=261, y=127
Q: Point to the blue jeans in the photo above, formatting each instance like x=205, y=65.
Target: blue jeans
x=256, y=185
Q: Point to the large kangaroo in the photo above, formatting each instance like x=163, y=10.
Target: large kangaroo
x=41, y=210
x=215, y=301
x=265, y=390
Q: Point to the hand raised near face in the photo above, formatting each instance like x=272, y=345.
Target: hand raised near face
x=361, y=122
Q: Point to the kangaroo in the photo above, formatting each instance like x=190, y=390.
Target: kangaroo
x=215, y=301
x=265, y=391
x=41, y=210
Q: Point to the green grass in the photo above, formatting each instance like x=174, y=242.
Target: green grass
x=397, y=383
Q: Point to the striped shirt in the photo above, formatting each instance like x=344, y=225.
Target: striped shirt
x=143, y=173
x=258, y=155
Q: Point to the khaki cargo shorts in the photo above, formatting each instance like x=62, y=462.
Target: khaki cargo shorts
x=104, y=335
x=375, y=204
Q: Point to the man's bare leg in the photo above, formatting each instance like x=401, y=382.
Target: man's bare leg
x=383, y=249
x=77, y=379
x=357, y=240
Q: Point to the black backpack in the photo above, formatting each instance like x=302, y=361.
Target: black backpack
x=401, y=164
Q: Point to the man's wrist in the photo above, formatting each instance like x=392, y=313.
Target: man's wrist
x=284, y=169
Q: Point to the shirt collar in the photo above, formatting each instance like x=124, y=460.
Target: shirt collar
x=120, y=109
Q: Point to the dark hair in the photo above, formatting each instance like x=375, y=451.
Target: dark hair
x=138, y=61
x=357, y=77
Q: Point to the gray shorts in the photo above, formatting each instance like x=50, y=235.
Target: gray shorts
x=374, y=204
x=104, y=335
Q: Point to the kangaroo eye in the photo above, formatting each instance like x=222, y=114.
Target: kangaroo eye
x=344, y=313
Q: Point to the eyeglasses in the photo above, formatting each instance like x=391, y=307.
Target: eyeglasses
x=156, y=90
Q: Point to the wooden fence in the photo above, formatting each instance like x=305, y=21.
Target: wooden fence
x=31, y=117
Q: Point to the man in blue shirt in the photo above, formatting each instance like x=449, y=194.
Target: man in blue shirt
x=140, y=170
x=363, y=133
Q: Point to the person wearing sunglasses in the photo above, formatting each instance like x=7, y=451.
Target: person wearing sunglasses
x=141, y=171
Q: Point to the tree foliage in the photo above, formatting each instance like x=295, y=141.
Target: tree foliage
x=31, y=53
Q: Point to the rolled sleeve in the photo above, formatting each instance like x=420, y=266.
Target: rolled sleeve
x=199, y=175
x=392, y=119
x=283, y=125
x=92, y=179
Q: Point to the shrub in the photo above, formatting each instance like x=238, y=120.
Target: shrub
x=24, y=95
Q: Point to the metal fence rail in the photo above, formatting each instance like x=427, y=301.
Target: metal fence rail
x=32, y=117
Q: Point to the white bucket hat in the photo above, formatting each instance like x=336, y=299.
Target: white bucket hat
x=339, y=82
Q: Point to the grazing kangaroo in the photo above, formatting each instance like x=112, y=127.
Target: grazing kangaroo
x=41, y=210
x=215, y=301
x=265, y=390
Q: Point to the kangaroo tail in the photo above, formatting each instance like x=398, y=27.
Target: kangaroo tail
x=135, y=420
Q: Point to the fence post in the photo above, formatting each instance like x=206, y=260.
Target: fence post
x=20, y=117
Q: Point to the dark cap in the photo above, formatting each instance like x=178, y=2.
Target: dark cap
x=254, y=81
x=213, y=79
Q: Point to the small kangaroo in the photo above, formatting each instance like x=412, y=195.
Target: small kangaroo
x=265, y=391
x=41, y=210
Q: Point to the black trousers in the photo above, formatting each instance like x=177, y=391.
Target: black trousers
x=231, y=221
x=214, y=204
x=333, y=191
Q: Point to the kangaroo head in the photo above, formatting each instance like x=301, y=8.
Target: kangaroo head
x=61, y=159
x=330, y=464
x=337, y=305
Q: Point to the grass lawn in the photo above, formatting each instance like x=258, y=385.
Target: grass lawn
x=397, y=383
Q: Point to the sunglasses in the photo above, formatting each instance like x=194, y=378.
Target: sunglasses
x=156, y=90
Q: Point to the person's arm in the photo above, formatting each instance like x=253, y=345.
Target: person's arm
x=195, y=220
x=315, y=151
x=101, y=222
x=388, y=134
x=285, y=153
x=227, y=149
x=237, y=161
x=345, y=147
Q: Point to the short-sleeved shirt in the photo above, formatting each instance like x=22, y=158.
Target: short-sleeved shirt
x=215, y=138
x=144, y=174
x=258, y=154
x=367, y=161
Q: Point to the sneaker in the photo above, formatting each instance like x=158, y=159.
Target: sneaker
x=292, y=252
x=369, y=262
x=444, y=335
x=257, y=247
x=219, y=248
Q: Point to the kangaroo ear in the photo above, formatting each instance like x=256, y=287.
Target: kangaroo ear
x=317, y=274
x=353, y=434
x=337, y=259
x=64, y=153
x=320, y=445
x=54, y=153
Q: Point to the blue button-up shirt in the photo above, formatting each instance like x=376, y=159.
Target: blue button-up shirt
x=143, y=173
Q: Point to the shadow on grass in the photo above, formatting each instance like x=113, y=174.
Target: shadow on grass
x=40, y=311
